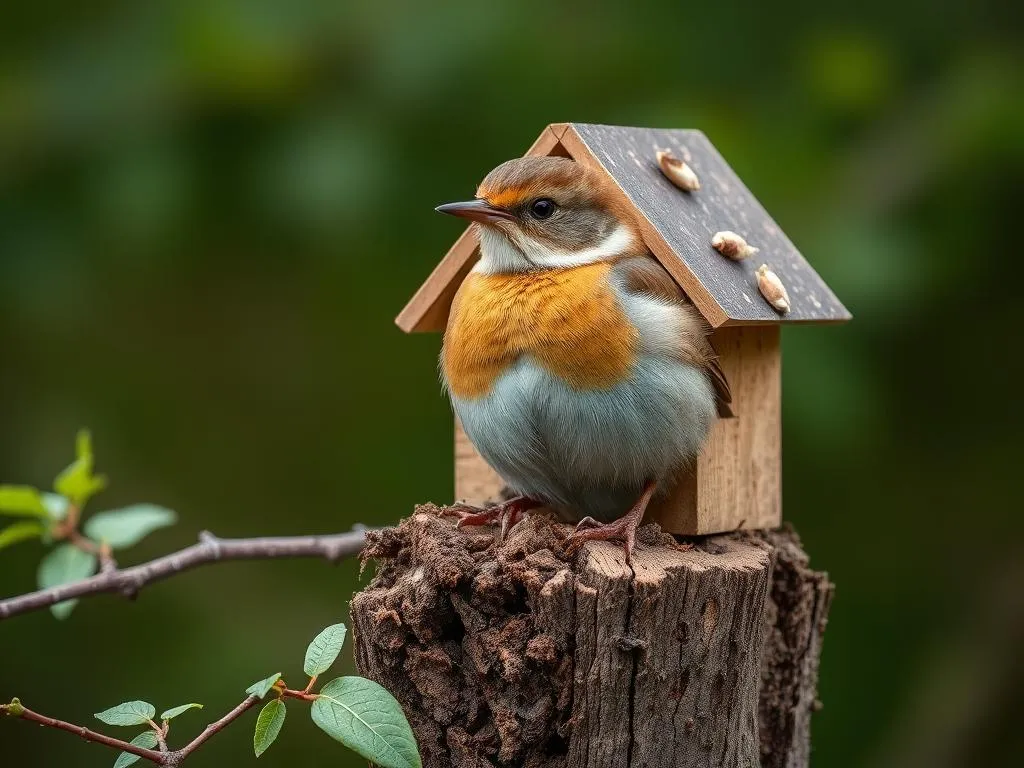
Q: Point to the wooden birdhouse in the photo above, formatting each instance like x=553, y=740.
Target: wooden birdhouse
x=736, y=481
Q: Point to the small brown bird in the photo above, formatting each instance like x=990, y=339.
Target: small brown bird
x=575, y=363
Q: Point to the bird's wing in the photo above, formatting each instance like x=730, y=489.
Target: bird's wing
x=642, y=274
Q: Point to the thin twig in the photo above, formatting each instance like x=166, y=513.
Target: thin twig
x=24, y=713
x=289, y=693
x=67, y=529
x=161, y=734
x=177, y=756
x=162, y=757
x=128, y=581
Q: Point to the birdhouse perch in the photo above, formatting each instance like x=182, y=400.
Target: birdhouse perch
x=736, y=480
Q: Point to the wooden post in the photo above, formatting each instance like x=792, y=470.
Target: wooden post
x=513, y=655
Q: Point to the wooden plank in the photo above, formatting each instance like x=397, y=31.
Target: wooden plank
x=678, y=226
x=547, y=142
x=676, y=512
x=428, y=309
x=737, y=480
x=739, y=474
x=475, y=481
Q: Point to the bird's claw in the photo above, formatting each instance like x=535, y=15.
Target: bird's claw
x=470, y=515
x=622, y=530
x=507, y=513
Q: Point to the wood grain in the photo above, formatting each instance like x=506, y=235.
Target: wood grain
x=739, y=473
x=737, y=480
x=475, y=481
x=512, y=655
x=796, y=617
x=700, y=618
x=428, y=309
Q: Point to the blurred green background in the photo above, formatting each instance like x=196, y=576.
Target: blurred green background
x=211, y=210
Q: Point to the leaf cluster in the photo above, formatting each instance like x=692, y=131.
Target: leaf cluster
x=132, y=713
x=359, y=713
x=54, y=518
x=355, y=711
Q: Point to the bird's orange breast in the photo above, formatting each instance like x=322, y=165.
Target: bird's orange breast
x=568, y=320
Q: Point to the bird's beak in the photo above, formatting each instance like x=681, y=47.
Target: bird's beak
x=476, y=210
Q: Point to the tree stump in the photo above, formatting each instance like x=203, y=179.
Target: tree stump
x=512, y=654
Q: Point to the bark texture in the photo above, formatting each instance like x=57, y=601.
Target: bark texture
x=512, y=654
x=795, y=620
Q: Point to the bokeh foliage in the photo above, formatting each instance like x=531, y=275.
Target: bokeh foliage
x=211, y=210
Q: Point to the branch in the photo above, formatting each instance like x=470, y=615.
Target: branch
x=17, y=710
x=174, y=758
x=128, y=581
x=178, y=755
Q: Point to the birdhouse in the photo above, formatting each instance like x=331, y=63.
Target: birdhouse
x=736, y=482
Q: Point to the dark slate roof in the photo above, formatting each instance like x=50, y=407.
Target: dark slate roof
x=686, y=222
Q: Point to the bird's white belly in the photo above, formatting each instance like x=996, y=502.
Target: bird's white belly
x=590, y=452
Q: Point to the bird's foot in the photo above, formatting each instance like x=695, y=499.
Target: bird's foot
x=506, y=513
x=623, y=529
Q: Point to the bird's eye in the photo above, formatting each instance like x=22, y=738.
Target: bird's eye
x=542, y=208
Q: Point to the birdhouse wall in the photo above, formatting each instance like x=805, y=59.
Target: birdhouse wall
x=737, y=480
x=475, y=481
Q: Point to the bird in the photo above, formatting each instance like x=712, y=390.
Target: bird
x=574, y=362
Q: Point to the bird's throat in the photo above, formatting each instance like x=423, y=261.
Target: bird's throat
x=502, y=253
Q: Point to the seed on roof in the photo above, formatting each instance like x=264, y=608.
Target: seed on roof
x=677, y=171
x=772, y=289
x=732, y=246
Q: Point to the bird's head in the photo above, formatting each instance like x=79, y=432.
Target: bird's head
x=539, y=213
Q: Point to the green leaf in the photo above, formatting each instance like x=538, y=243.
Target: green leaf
x=126, y=527
x=260, y=689
x=128, y=713
x=324, y=649
x=12, y=534
x=175, y=711
x=146, y=740
x=77, y=481
x=21, y=500
x=368, y=720
x=83, y=445
x=61, y=565
x=268, y=725
x=56, y=506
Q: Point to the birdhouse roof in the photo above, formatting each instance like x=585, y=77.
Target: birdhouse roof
x=677, y=226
